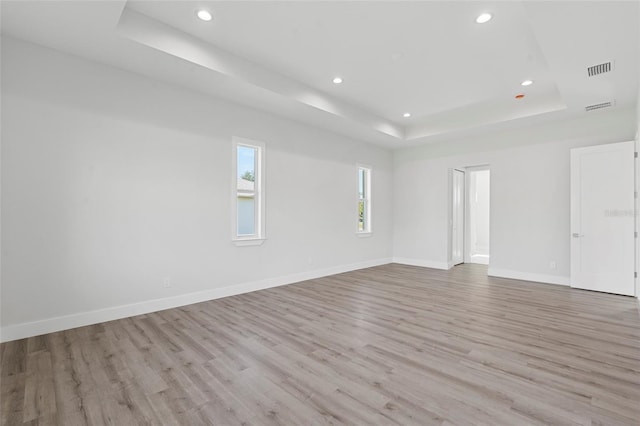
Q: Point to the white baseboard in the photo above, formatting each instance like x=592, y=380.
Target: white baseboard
x=528, y=276
x=420, y=262
x=50, y=325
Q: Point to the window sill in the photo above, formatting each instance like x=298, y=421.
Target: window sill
x=249, y=242
x=364, y=234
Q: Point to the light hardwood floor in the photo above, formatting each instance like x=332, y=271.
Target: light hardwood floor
x=386, y=345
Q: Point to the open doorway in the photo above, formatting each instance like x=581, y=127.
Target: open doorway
x=477, y=216
x=470, y=215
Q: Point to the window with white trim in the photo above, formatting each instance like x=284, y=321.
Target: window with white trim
x=248, y=191
x=364, y=199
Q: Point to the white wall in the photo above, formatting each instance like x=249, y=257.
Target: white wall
x=112, y=181
x=529, y=194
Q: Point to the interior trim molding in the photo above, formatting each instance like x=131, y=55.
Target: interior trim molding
x=529, y=276
x=66, y=322
x=421, y=262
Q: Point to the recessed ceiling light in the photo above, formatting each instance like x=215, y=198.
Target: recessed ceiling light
x=205, y=15
x=406, y=115
x=527, y=83
x=337, y=80
x=485, y=17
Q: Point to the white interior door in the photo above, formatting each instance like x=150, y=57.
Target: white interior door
x=602, y=218
x=457, y=224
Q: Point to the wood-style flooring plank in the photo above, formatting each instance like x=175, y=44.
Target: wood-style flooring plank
x=39, y=393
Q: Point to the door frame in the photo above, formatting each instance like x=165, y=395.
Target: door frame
x=464, y=169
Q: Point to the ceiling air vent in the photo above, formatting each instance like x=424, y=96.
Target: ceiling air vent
x=599, y=106
x=599, y=69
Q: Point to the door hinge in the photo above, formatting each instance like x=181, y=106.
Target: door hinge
x=635, y=275
x=635, y=234
x=635, y=194
x=635, y=154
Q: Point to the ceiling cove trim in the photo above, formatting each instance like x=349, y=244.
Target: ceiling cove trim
x=154, y=34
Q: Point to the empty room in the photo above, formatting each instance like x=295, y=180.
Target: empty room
x=319, y=213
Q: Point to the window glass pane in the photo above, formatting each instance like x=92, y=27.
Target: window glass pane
x=361, y=216
x=361, y=182
x=246, y=215
x=246, y=168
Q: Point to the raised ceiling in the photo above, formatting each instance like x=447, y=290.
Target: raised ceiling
x=427, y=58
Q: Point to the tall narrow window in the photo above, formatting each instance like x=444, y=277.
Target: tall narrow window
x=248, y=220
x=364, y=199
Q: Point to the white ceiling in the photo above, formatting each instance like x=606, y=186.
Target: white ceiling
x=427, y=58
